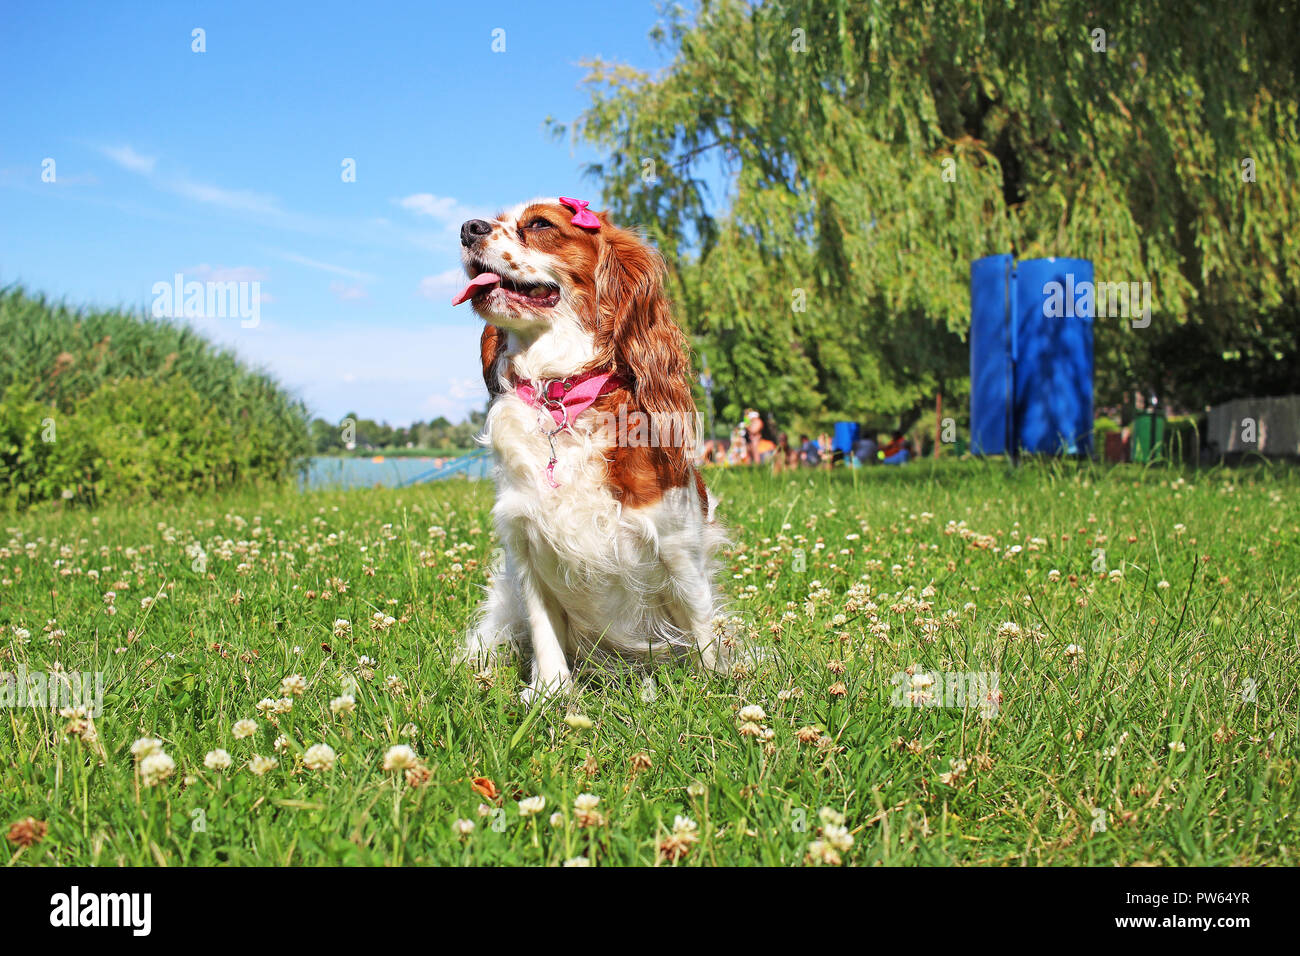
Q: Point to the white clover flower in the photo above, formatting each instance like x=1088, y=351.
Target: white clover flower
x=1053, y=575
x=260, y=765
x=146, y=746
x=462, y=828
x=155, y=768
x=1008, y=629
x=1162, y=585
x=752, y=713
x=1177, y=746
x=830, y=817
x=344, y=704
x=342, y=627
x=400, y=757
x=281, y=743
x=838, y=836
x=820, y=851
x=531, y=805
x=557, y=819
x=585, y=802
x=292, y=686
x=319, y=757
x=577, y=861
x=244, y=728
x=217, y=760
x=1072, y=650
x=578, y=721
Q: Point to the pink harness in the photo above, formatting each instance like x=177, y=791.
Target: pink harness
x=566, y=399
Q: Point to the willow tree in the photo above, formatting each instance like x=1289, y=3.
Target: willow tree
x=868, y=151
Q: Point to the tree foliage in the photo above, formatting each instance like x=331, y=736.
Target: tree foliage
x=871, y=150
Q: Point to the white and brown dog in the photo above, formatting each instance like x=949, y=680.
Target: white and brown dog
x=607, y=528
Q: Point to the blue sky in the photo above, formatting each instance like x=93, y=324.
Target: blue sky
x=227, y=164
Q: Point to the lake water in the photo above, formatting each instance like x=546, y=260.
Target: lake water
x=387, y=472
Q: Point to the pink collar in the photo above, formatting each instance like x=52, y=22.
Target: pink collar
x=568, y=398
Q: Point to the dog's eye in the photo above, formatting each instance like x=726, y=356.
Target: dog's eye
x=540, y=223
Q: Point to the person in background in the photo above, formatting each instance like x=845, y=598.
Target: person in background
x=738, y=452
x=895, y=452
x=828, y=453
x=810, y=452
x=781, y=460
x=753, y=425
x=762, y=443
x=864, y=449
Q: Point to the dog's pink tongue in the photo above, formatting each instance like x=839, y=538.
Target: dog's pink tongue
x=482, y=279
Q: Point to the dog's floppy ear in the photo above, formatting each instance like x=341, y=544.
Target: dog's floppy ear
x=637, y=330
x=491, y=345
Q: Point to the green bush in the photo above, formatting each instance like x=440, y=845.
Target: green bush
x=98, y=405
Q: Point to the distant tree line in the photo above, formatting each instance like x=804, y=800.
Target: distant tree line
x=366, y=434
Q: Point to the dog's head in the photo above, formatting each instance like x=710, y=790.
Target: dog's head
x=551, y=261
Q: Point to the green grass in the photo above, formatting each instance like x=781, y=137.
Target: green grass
x=1208, y=663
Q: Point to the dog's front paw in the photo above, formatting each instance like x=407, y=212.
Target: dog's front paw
x=538, y=691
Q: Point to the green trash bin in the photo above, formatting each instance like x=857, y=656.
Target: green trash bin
x=1148, y=436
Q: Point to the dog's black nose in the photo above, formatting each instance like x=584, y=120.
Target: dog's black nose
x=473, y=230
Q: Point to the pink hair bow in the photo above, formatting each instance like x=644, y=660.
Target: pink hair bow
x=582, y=216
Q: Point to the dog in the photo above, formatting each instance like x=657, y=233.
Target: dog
x=608, y=531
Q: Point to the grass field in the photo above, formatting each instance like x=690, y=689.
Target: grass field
x=1141, y=626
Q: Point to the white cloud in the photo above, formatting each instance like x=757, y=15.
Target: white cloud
x=129, y=159
x=347, y=293
x=239, y=199
x=207, y=273
x=443, y=208
x=326, y=267
x=443, y=286
x=395, y=373
x=460, y=388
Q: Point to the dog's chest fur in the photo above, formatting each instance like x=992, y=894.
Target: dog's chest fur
x=603, y=562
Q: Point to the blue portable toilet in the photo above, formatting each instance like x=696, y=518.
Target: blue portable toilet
x=1031, y=356
x=846, y=433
